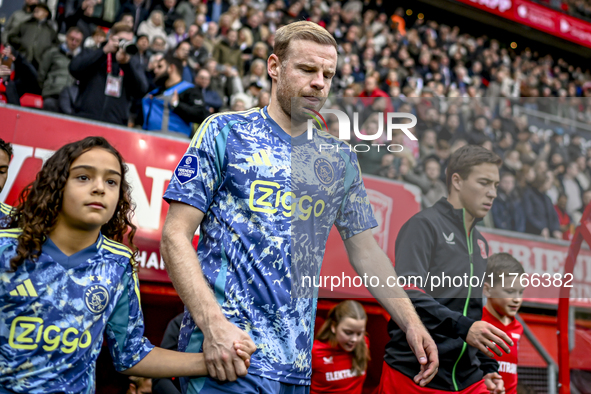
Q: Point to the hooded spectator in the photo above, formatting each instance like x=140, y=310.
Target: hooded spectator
x=34, y=36
x=54, y=74
x=18, y=17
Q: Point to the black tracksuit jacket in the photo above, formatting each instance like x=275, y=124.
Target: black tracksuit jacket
x=433, y=242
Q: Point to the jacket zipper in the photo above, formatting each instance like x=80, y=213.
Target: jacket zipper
x=465, y=313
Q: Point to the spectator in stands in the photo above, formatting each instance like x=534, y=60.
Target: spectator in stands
x=540, y=215
x=264, y=98
x=199, y=53
x=16, y=79
x=507, y=210
x=169, y=14
x=143, y=50
x=224, y=79
x=84, y=18
x=187, y=10
x=158, y=45
x=17, y=18
x=179, y=33
x=127, y=18
x=152, y=64
x=175, y=104
x=239, y=101
x=213, y=101
x=227, y=52
x=153, y=27
x=505, y=144
x=182, y=52
x=34, y=36
x=96, y=39
x=579, y=213
x=371, y=89
x=54, y=74
x=564, y=219
x=139, y=385
x=257, y=73
x=109, y=79
x=572, y=188
x=137, y=8
x=437, y=189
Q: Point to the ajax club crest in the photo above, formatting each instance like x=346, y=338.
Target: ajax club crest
x=96, y=298
x=324, y=171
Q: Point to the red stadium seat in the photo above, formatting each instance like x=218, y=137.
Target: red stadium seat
x=31, y=101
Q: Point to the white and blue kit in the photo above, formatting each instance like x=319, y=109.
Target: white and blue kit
x=54, y=311
x=270, y=201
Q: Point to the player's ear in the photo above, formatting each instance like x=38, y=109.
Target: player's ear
x=486, y=290
x=273, y=65
x=333, y=328
x=456, y=181
x=132, y=389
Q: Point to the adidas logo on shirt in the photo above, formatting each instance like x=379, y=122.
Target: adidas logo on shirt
x=260, y=159
x=25, y=289
x=328, y=360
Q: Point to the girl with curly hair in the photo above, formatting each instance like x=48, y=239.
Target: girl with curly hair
x=66, y=278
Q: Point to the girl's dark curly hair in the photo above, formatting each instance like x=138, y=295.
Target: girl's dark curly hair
x=41, y=202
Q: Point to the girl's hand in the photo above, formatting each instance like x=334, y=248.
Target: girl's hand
x=244, y=350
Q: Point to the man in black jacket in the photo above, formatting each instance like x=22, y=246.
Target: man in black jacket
x=441, y=242
x=109, y=79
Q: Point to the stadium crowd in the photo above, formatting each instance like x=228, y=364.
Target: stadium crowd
x=190, y=58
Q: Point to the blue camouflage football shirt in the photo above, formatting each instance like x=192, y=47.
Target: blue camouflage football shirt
x=270, y=201
x=54, y=311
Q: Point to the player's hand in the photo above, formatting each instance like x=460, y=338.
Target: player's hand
x=486, y=337
x=494, y=383
x=425, y=350
x=222, y=360
x=244, y=351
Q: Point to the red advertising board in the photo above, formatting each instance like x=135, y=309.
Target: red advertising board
x=151, y=159
x=539, y=17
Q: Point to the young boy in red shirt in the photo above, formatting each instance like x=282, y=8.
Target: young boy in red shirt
x=504, y=295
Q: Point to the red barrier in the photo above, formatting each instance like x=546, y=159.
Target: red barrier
x=539, y=17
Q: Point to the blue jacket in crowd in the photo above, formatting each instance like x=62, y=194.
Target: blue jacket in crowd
x=160, y=115
x=507, y=213
x=539, y=212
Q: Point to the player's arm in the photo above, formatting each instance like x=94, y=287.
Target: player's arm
x=415, y=244
x=367, y=258
x=185, y=272
x=164, y=363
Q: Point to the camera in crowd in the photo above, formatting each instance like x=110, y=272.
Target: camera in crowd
x=128, y=47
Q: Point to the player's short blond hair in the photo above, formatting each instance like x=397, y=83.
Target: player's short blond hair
x=302, y=30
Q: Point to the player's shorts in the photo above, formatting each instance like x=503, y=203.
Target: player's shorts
x=249, y=384
x=394, y=382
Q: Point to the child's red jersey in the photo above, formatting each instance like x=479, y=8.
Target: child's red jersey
x=331, y=370
x=507, y=362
